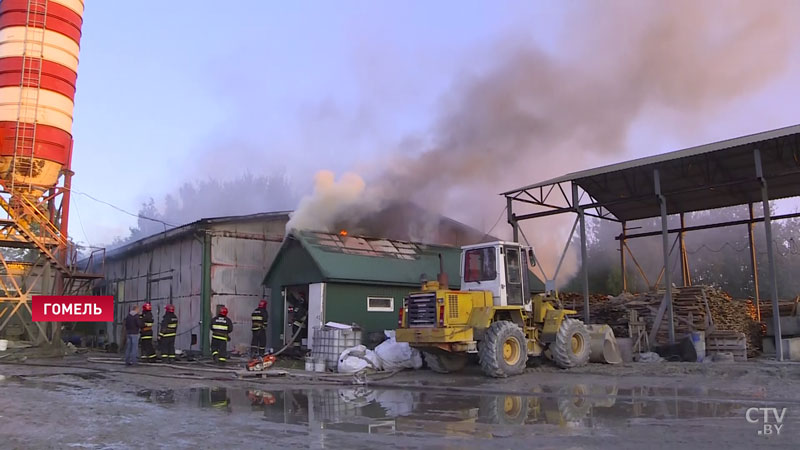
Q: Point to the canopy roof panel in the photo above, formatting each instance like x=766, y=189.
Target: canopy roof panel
x=708, y=176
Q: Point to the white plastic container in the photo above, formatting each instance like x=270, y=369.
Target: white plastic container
x=329, y=343
x=3, y=345
x=319, y=365
x=309, y=364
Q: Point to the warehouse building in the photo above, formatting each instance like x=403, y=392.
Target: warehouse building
x=197, y=267
x=352, y=279
x=222, y=261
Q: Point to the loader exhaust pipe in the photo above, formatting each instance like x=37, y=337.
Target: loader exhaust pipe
x=442, y=277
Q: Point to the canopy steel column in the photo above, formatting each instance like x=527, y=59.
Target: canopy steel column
x=511, y=219
x=686, y=276
x=665, y=248
x=584, y=257
x=773, y=276
x=753, y=262
x=622, y=259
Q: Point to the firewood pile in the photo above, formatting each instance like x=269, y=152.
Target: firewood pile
x=695, y=308
x=736, y=315
x=786, y=308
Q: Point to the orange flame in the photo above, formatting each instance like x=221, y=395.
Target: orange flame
x=343, y=233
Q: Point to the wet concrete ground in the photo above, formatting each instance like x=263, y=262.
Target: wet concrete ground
x=94, y=407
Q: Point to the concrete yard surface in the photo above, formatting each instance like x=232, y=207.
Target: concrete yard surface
x=73, y=403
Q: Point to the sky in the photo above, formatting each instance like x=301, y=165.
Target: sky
x=173, y=92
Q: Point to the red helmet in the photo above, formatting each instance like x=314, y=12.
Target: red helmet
x=147, y=307
x=262, y=304
x=223, y=311
x=170, y=308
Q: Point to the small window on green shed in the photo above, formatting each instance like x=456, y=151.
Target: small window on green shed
x=380, y=304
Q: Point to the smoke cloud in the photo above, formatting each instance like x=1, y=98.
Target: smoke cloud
x=321, y=210
x=535, y=114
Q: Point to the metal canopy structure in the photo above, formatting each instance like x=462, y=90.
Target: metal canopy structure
x=742, y=171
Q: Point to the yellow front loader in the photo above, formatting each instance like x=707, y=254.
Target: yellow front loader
x=492, y=315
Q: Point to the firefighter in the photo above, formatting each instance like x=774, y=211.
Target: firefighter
x=146, y=332
x=166, y=336
x=259, y=328
x=221, y=329
x=218, y=398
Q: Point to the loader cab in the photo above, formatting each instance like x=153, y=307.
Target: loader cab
x=499, y=267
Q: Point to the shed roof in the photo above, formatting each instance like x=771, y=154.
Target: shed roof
x=708, y=176
x=365, y=260
x=358, y=259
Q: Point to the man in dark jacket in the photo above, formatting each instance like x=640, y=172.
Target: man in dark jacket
x=132, y=325
x=167, y=333
x=259, y=328
x=146, y=331
x=221, y=329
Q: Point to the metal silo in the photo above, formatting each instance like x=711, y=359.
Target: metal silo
x=39, y=46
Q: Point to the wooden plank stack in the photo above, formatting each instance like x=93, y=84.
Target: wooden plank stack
x=786, y=308
x=695, y=308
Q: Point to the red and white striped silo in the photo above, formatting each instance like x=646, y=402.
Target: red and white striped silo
x=39, y=46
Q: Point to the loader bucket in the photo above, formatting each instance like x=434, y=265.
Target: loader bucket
x=603, y=345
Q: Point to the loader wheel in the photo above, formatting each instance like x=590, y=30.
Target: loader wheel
x=503, y=409
x=503, y=351
x=571, y=347
x=573, y=404
x=445, y=362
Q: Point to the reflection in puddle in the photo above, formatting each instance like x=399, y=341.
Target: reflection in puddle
x=365, y=410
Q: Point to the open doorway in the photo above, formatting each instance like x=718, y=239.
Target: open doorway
x=295, y=313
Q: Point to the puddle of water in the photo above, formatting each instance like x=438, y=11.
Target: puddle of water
x=365, y=410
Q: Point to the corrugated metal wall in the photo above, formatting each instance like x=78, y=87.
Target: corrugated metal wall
x=171, y=272
x=241, y=253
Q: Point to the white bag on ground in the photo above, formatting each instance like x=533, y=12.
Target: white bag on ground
x=397, y=355
x=358, y=358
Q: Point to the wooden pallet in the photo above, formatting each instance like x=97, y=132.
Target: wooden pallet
x=727, y=342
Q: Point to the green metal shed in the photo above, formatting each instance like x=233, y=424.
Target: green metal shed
x=350, y=279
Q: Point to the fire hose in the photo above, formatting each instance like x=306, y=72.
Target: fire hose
x=294, y=338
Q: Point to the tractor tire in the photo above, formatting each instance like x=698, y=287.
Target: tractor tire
x=503, y=409
x=503, y=351
x=571, y=347
x=573, y=404
x=445, y=362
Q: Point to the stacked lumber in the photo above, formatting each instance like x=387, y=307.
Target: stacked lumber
x=603, y=311
x=695, y=308
x=786, y=308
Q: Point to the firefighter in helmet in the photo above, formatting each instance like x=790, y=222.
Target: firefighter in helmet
x=167, y=333
x=146, y=332
x=259, y=328
x=221, y=329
